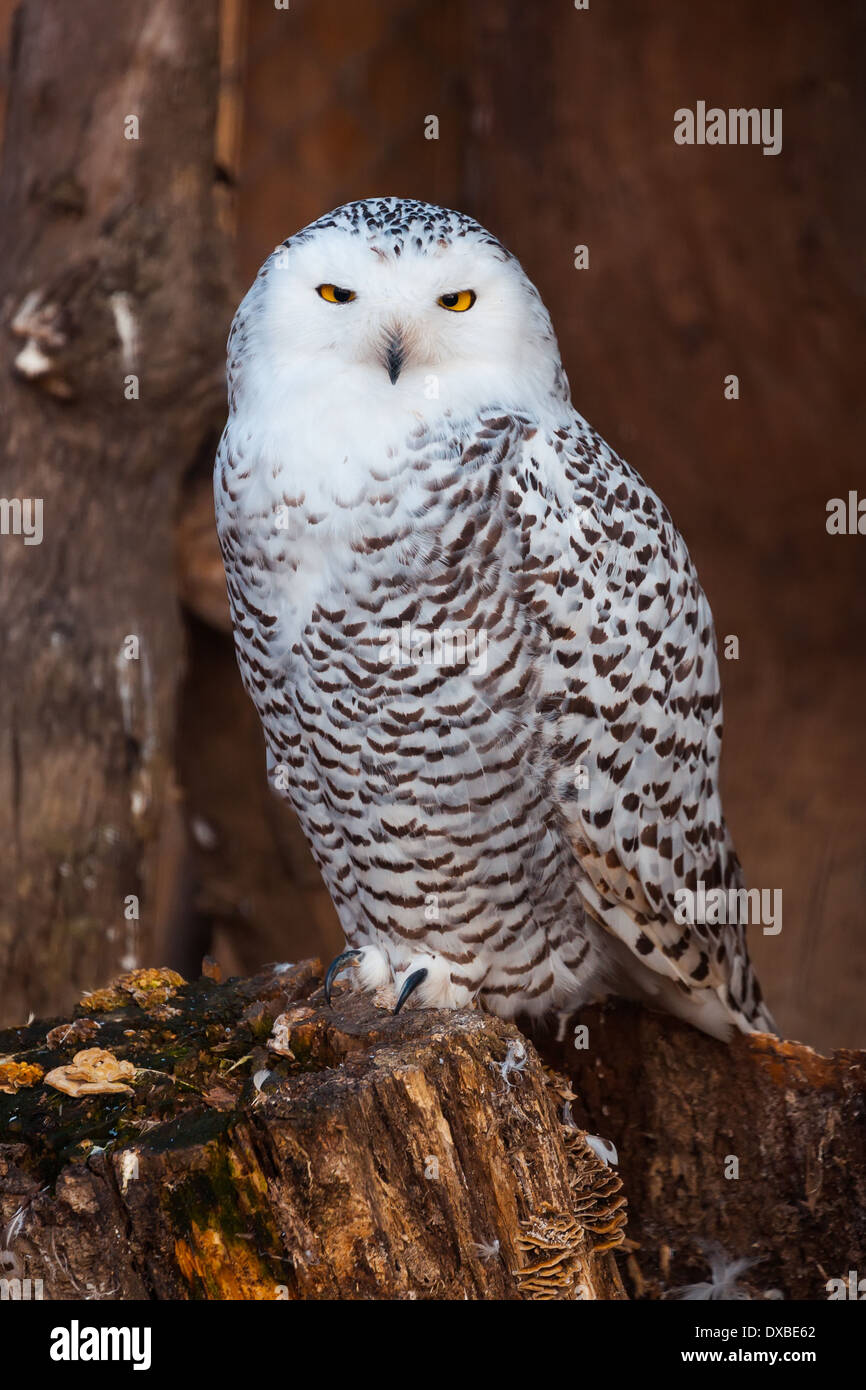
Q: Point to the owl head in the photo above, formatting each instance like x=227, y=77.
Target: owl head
x=410, y=306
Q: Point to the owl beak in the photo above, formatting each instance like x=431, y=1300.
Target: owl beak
x=394, y=357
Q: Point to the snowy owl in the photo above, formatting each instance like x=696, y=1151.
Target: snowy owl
x=483, y=663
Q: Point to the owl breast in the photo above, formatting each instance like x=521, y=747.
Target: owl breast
x=396, y=662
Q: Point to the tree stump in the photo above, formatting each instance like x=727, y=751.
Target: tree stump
x=749, y=1151
x=243, y=1140
x=265, y=1146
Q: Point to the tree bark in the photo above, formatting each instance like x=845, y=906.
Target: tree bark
x=753, y=1150
x=269, y=1147
x=423, y=1156
x=112, y=282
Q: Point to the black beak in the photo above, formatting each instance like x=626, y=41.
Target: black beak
x=394, y=356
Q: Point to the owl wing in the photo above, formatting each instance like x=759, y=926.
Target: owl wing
x=630, y=687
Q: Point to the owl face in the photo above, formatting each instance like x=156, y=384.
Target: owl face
x=405, y=303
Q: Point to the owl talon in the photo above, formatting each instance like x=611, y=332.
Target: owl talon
x=337, y=964
x=410, y=984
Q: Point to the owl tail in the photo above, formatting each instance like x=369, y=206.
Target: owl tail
x=710, y=1008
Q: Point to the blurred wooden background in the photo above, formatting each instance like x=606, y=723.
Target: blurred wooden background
x=556, y=129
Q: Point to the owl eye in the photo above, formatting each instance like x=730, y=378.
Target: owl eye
x=334, y=294
x=458, y=302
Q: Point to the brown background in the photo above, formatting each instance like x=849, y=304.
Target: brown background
x=556, y=128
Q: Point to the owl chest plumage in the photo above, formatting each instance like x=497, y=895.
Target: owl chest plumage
x=396, y=656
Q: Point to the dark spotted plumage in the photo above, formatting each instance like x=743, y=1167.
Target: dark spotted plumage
x=513, y=806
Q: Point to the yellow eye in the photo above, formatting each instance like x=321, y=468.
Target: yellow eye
x=458, y=302
x=334, y=294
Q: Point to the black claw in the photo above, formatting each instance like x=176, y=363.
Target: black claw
x=410, y=984
x=334, y=969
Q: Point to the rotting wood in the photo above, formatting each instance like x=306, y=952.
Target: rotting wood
x=753, y=1150
x=423, y=1156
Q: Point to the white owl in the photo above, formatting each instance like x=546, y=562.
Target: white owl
x=483, y=663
